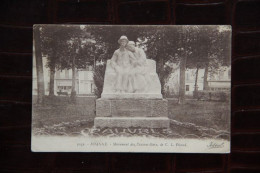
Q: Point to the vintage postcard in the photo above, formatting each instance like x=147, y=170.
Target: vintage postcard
x=149, y=88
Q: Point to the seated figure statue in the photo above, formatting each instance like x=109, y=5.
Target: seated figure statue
x=130, y=75
x=139, y=79
x=122, y=62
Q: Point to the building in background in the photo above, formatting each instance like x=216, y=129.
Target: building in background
x=219, y=81
x=86, y=82
x=63, y=80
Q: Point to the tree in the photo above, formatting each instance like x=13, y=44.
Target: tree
x=182, y=80
x=81, y=54
x=39, y=66
x=186, y=42
x=64, y=47
x=218, y=51
x=160, y=43
x=52, y=49
x=212, y=52
x=195, y=93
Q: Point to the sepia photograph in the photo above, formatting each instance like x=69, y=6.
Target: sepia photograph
x=131, y=88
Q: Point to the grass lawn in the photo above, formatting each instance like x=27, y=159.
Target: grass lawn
x=60, y=110
x=59, y=115
x=209, y=114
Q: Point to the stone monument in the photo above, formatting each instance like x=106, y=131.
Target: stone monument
x=131, y=94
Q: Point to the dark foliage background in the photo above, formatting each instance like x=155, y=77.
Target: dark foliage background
x=16, y=20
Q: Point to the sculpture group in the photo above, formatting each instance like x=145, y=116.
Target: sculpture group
x=130, y=74
x=129, y=64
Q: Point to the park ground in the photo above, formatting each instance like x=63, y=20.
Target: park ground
x=196, y=118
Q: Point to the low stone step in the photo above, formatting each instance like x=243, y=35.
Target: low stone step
x=144, y=122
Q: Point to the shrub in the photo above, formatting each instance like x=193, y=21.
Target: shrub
x=213, y=95
x=99, y=75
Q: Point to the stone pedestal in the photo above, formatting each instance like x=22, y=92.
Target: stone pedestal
x=125, y=122
x=148, y=113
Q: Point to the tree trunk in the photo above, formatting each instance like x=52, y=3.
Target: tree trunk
x=73, y=88
x=39, y=66
x=205, y=81
x=182, y=80
x=161, y=62
x=52, y=78
x=183, y=68
x=160, y=72
x=195, y=93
